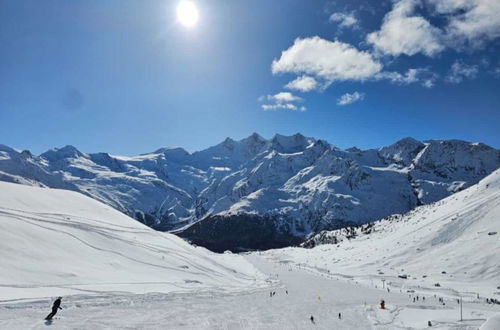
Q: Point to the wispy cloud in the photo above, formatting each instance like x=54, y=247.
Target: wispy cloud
x=345, y=20
x=284, y=97
x=496, y=72
x=283, y=106
x=303, y=84
x=423, y=76
x=282, y=101
x=460, y=71
x=348, y=98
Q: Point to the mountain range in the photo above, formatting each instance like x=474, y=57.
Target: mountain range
x=259, y=193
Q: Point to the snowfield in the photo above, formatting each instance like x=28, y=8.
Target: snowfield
x=58, y=242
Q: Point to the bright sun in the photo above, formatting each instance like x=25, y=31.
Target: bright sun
x=187, y=13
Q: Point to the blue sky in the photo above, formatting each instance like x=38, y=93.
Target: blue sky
x=127, y=78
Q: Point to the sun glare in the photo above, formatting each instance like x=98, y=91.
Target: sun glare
x=187, y=13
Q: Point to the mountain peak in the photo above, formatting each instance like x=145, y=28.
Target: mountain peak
x=408, y=141
x=290, y=144
x=229, y=143
x=255, y=137
x=403, y=151
x=67, y=151
x=172, y=150
x=8, y=150
x=459, y=143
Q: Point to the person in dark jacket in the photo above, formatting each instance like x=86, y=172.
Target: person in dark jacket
x=55, y=307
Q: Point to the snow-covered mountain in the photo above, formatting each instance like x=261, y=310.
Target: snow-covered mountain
x=58, y=242
x=256, y=192
x=448, y=246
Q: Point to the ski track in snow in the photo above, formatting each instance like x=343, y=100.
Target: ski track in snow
x=106, y=233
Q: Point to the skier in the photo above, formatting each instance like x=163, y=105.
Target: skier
x=55, y=307
x=382, y=304
x=340, y=316
x=312, y=319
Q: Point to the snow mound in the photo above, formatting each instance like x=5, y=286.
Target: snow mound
x=58, y=242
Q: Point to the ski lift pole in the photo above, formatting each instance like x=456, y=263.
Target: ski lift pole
x=461, y=314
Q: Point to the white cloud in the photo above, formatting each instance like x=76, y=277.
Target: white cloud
x=496, y=72
x=303, y=84
x=327, y=60
x=344, y=20
x=479, y=23
x=429, y=83
x=460, y=71
x=404, y=32
x=450, y=6
x=423, y=76
x=350, y=98
x=283, y=106
x=283, y=97
x=282, y=101
x=396, y=77
x=469, y=22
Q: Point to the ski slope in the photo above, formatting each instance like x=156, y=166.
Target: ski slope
x=451, y=247
x=57, y=242
x=309, y=293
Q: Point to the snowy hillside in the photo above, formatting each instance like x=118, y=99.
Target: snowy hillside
x=450, y=246
x=281, y=188
x=58, y=242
